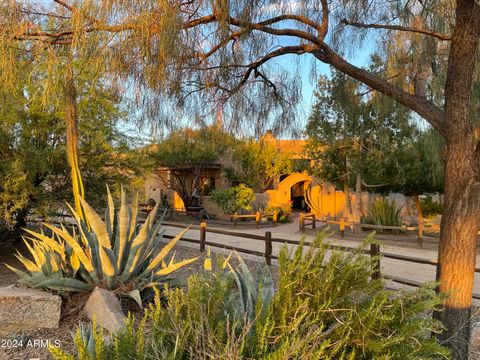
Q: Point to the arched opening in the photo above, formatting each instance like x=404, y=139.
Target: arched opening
x=291, y=191
x=297, y=196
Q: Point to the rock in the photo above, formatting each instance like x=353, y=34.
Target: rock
x=475, y=336
x=105, y=306
x=24, y=309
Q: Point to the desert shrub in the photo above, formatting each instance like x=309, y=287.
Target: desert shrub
x=326, y=307
x=383, y=212
x=119, y=254
x=283, y=212
x=234, y=199
x=430, y=208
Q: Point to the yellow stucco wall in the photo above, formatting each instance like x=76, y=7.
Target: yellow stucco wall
x=282, y=195
x=327, y=202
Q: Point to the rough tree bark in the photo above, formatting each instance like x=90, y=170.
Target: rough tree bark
x=461, y=216
x=418, y=205
x=357, y=229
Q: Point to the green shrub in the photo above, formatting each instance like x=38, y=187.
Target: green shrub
x=430, y=208
x=119, y=254
x=234, y=199
x=283, y=212
x=383, y=212
x=326, y=307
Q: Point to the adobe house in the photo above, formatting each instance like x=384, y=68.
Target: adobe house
x=299, y=190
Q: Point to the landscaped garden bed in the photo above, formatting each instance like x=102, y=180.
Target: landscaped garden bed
x=34, y=342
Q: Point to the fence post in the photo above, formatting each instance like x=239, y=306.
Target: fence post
x=235, y=218
x=301, y=223
x=420, y=234
x=375, y=253
x=268, y=247
x=275, y=216
x=314, y=222
x=257, y=218
x=342, y=227
x=203, y=236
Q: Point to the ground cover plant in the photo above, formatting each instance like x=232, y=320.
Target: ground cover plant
x=119, y=254
x=326, y=306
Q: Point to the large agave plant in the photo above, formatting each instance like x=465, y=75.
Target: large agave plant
x=118, y=254
x=252, y=293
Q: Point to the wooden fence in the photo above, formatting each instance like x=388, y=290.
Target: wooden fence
x=310, y=220
x=257, y=216
x=374, y=251
x=203, y=215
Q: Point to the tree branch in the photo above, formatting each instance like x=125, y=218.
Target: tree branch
x=439, y=36
x=64, y=4
x=425, y=108
x=299, y=49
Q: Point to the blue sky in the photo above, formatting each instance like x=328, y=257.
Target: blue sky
x=288, y=63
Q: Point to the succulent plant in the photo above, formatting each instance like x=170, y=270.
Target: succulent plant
x=253, y=296
x=119, y=254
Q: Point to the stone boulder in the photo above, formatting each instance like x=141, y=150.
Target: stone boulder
x=475, y=336
x=105, y=307
x=24, y=309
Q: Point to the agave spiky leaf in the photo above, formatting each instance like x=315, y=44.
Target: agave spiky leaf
x=21, y=274
x=30, y=265
x=97, y=224
x=135, y=295
x=77, y=250
x=111, y=252
x=54, y=245
x=66, y=284
x=171, y=267
x=123, y=233
x=133, y=216
x=110, y=212
x=250, y=292
x=164, y=252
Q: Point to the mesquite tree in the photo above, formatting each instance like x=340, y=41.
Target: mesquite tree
x=219, y=52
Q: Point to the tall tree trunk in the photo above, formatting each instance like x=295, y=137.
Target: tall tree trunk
x=461, y=216
x=418, y=205
x=357, y=229
x=71, y=119
x=348, y=203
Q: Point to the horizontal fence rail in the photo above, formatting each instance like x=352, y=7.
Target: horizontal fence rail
x=374, y=251
x=311, y=220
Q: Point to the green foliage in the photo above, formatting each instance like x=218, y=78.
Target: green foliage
x=383, y=212
x=430, y=207
x=234, y=199
x=326, y=307
x=422, y=165
x=258, y=162
x=350, y=135
x=120, y=254
x=189, y=155
x=373, y=137
x=34, y=172
x=283, y=212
